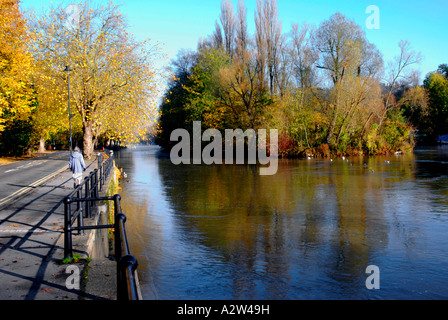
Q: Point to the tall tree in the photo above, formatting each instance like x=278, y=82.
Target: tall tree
x=436, y=84
x=415, y=107
x=268, y=38
x=228, y=23
x=242, y=36
x=16, y=65
x=241, y=92
x=344, y=52
x=112, y=79
x=340, y=42
x=303, y=55
x=397, y=73
x=51, y=114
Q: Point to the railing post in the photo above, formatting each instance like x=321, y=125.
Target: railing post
x=79, y=211
x=126, y=267
x=87, y=195
x=117, y=204
x=106, y=169
x=100, y=171
x=92, y=190
x=80, y=222
x=79, y=196
x=120, y=220
x=68, y=250
x=96, y=193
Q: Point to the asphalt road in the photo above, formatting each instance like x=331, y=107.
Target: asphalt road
x=31, y=230
x=21, y=177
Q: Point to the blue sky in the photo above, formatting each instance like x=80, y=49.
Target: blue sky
x=178, y=24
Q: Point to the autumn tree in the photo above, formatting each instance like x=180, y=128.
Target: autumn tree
x=415, y=107
x=51, y=114
x=240, y=96
x=398, y=71
x=241, y=92
x=16, y=66
x=345, y=52
x=193, y=93
x=321, y=87
x=303, y=55
x=242, y=35
x=268, y=38
x=112, y=79
x=299, y=110
x=227, y=19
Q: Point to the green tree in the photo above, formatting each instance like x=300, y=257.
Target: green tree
x=193, y=93
x=436, y=85
x=443, y=69
x=415, y=107
x=319, y=87
x=16, y=138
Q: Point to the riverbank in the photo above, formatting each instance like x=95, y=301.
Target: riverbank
x=325, y=151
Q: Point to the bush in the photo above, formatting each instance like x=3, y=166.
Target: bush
x=16, y=138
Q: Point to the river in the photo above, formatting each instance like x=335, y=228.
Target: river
x=309, y=232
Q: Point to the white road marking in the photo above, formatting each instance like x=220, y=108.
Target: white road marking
x=27, y=165
x=31, y=186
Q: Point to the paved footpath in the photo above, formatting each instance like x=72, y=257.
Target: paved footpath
x=31, y=234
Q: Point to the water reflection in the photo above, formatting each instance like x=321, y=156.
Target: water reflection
x=308, y=232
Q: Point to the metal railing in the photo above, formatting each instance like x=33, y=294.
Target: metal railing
x=126, y=263
x=77, y=208
x=90, y=188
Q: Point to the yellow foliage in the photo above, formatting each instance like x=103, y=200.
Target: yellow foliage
x=113, y=85
x=15, y=65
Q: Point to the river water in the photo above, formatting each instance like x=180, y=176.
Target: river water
x=308, y=232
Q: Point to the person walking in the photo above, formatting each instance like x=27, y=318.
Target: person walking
x=77, y=165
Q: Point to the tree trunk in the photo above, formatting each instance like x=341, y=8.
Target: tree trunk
x=335, y=117
x=383, y=117
x=29, y=150
x=88, y=141
x=341, y=130
x=95, y=143
x=332, y=126
x=346, y=121
x=366, y=123
x=41, y=146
